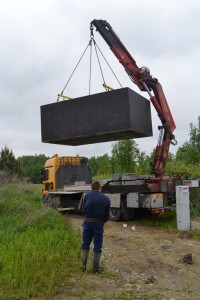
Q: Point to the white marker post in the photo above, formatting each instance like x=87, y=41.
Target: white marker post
x=183, y=208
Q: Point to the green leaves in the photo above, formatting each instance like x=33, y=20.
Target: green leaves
x=189, y=152
x=32, y=166
x=126, y=158
x=8, y=163
x=125, y=154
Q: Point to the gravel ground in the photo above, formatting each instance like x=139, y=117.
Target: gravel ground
x=140, y=263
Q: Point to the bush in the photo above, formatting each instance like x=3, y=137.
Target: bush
x=6, y=178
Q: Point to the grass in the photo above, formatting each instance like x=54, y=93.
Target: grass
x=165, y=220
x=168, y=221
x=38, y=248
x=40, y=253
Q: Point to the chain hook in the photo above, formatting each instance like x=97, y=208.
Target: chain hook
x=91, y=31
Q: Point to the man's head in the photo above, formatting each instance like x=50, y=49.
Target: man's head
x=96, y=186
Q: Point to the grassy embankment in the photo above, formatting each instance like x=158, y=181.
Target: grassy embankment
x=38, y=249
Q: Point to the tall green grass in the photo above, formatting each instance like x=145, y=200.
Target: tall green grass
x=38, y=249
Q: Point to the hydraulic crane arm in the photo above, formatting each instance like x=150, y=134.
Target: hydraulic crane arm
x=145, y=82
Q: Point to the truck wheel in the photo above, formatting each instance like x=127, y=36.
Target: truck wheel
x=115, y=214
x=45, y=200
x=52, y=201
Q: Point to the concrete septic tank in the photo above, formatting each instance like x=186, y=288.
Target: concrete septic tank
x=108, y=116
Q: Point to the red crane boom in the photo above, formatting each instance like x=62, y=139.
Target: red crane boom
x=145, y=82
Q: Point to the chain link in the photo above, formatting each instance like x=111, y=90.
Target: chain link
x=91, y=31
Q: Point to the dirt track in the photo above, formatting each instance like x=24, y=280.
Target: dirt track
x=145, y=263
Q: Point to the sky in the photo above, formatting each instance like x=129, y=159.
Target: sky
x=42, y=41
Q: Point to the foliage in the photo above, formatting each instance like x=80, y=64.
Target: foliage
x=6, y=178
x=104, y=165
x=184, y=170
x=25, y=166
x=38, y=249
x=143, y=164
x=93, y=164
x=125, y=154
x=100, y=165
x=32, y=166
x=8, y=163
x=126, y=158
x=189, y=152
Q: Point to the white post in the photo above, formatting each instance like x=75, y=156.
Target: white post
x=183, y=207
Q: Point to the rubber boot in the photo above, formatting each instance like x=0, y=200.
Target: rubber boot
x=96, y=259
x=84, y=259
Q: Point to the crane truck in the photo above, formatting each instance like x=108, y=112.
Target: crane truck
x=127, y=192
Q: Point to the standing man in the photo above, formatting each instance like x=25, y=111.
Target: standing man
x=96, y=209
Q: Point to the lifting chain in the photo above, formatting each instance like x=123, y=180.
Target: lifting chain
x=91, y=42
x=91, y=32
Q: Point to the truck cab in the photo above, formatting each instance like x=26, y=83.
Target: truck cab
x=64, y=171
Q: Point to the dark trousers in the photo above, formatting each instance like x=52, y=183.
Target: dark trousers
x=92, y=230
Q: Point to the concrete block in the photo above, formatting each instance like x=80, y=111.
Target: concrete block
x=109, y=116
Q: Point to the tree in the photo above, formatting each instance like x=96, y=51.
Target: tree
x=189, y=152
x=100, y=165
x=93, y=164
x=8, y=163
x=184, y=170
x=104, y=165
x=124, y=156
x=143, y=164
x=32, y=166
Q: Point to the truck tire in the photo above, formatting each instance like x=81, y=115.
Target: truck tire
x=52, y=201
x=115, y=214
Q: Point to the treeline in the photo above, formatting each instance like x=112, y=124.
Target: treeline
x=32, y=166
x=25, y=167
x=125, y=157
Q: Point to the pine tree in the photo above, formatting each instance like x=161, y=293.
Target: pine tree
x=8, y=163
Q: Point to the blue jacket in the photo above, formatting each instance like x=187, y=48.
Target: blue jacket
x=96, y=205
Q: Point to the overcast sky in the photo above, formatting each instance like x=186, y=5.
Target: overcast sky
x=42, y=41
